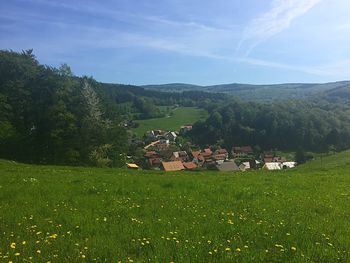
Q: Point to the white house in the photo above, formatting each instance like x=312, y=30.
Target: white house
x=272, y=166
x=289, y=164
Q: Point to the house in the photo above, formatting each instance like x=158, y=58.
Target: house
x=221, y=152
x=279, y=159
x=241, y=151
x=272, y=166
x=159, y=145
x=151, y=154
x=197, y=157
x=244, y=166
x=229, y=166
x=210, y=162
x=132, y=166
x=219, y=158
x=286, y=165
x=267, y=158
x=155, y=162
x=173, y=166
x=150, y=134
x=189, y=165
x=179, y=156
x=206, y=153
x=170, y=136
x=250, y=164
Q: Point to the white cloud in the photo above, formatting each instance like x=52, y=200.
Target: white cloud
x=277, y=19
x=337, y=69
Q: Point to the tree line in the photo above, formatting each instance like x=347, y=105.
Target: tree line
x=310, y=124
x=47, y=115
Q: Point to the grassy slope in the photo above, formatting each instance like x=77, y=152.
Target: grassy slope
x=181, y=116
x=107, y=215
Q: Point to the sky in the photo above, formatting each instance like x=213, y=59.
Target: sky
x=185, y=41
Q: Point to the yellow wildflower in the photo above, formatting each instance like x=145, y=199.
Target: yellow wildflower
x=13, y=245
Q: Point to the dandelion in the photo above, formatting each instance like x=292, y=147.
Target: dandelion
x=278, y=246
x=17, y=254
x=38, y=251
x=238, y=249
x=13, y=245
x=227, y=249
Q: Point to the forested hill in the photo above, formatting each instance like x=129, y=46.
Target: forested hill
x=258, y=92
x=48, y=115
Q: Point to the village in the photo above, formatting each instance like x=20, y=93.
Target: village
x=163, y=151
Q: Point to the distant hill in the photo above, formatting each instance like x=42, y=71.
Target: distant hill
x=341, y=92
x=261, y=92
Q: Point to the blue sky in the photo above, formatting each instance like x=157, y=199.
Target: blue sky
x=190, y=41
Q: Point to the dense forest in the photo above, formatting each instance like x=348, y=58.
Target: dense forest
x=313, y=124
x=48, y=115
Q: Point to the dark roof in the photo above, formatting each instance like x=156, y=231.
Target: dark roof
x=221, y=151
x=151, y=154
x=242, y=149
x=207, y=151
x=219, y=157
x=227, y=167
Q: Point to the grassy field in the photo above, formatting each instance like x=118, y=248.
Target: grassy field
x=67, y=214
x=180, y=116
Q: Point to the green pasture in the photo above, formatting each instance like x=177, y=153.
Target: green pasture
x=180, y=116
x=72, y=214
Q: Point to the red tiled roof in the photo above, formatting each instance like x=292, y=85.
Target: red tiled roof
x=190, y=165
x=173, y=166
x=196, y=154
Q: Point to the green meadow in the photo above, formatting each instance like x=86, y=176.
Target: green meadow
x=73, y=214
x=180, y=116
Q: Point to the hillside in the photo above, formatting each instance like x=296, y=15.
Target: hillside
x=71, y=214
x=180, y=116
x=257, y=92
